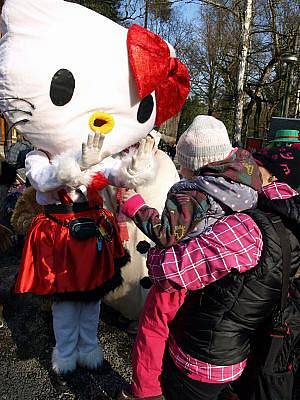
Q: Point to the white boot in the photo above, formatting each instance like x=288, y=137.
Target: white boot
x=92, y=360
x=66, y=330
x=63, y=365
x=90, y=354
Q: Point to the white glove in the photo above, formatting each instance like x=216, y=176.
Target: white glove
x=91, y=151
x=144, y=156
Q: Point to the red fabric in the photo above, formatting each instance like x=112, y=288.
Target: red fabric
x=295, y=146
x=148, y=351
x=99, y=182
x=54, y=262
x=64, y=197
x=155, y=70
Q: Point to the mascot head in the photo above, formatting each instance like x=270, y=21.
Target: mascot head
x=66, y=71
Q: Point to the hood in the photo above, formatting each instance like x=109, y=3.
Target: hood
x=240, y=167
x=233, y=196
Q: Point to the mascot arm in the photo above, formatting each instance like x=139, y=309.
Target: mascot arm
x=120, y=173
x=182, y=213
x=63, y=170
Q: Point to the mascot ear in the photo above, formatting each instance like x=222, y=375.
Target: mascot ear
x=155, y=68
x=24, y=16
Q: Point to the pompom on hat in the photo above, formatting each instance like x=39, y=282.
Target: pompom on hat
x=205, y=141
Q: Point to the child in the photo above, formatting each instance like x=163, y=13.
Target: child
x=221, y=180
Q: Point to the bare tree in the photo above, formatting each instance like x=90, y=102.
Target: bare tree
x=243, y=53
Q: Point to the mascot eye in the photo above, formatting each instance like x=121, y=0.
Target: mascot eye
x=145, y=109
x=62, y=87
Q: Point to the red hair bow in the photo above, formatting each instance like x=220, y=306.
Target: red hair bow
x=154, y=69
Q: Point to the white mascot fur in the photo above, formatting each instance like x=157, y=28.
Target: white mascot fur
x=82, y=89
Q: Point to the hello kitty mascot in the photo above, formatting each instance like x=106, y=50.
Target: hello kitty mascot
x=81, y=89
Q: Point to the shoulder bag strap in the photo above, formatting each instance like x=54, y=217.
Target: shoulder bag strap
x=286, y=259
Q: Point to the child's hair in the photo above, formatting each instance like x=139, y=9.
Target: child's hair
x=206, y=140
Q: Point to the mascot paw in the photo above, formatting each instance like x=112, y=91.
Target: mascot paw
x=92, y=360
x=63, y=365
x=68, y=171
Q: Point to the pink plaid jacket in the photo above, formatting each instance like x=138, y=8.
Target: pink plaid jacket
x=234, y=242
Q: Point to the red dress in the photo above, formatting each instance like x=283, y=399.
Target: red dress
x=55, y=262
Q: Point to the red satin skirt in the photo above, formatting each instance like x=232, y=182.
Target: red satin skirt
x=55, y=262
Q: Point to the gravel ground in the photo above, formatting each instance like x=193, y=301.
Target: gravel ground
x=26, y=341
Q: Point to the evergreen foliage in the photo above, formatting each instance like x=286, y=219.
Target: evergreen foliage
x=108, y=8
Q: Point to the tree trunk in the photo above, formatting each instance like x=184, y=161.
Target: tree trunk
x=170, y=127
x=146, y=14
x=297, y=105
x=241, y=71
x=210, y=104
x=257, y=116
x=247, y=115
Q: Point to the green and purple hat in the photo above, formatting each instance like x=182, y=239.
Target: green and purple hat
x=287, y=135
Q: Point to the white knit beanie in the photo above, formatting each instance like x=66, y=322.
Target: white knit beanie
x=206, y=140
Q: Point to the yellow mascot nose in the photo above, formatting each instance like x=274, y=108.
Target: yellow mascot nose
x=101, y=122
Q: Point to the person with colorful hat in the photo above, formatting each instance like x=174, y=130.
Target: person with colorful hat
x=286, y=137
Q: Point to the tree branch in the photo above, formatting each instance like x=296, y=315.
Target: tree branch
x=208, y=2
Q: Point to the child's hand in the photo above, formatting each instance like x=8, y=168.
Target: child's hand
x=128, y=194
x=91, y=151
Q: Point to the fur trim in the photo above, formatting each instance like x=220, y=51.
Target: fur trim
x=92, y=360
x=25, y=211
x=122, y=261
x=92, y=295
x=68, y=171
x=136, y=178
x=63, y=365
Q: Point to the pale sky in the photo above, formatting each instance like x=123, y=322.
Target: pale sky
x=188, y=10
